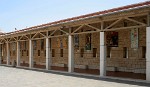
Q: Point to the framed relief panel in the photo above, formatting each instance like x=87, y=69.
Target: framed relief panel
x=112, y=39
x=134, y=38
x=88, y=42
x=76, y=42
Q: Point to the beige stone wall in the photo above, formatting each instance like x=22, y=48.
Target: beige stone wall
x=87, y=61
x=57, y=60
x=24, y=56
x=134, y=62
x=4, y=52
x=13, y=52
x=41, y=57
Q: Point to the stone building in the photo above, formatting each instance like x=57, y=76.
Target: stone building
x=114, y=42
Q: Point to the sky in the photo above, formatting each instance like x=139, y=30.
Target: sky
x=20, y=14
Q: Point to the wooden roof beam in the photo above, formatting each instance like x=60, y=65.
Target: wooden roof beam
x=78, y=28
x=92, y=27
x=135, y=21
x=114, y=23
x=63, y=31
x=121, y=28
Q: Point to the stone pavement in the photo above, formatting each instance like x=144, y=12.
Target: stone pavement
x=14, y=77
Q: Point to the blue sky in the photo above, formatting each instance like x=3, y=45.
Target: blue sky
x=26, y=13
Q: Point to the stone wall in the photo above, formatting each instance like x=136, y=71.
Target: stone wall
x=135, y=61
x=13, y=52
x=87, y=61
x=59, y=45
x=24, y=52
x=39, y=52
x=4, y=53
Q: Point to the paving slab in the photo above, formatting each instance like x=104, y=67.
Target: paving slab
x=15, y=77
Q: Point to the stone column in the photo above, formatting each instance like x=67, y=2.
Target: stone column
x=102, y=55
x=48, y=56
x=0, y=53
x=148, y=53
x=70, y=54
x=30, y=54
x=18, y=53
x=8, y=54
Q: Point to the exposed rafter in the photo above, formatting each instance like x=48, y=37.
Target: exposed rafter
x=5, y=39
x=121, y=28
x=63, y=31
x=42, y=34
x=78, y=28
x=34, y=35
x=1, y=40
x=12, y=39
x=24, y=36
x=135, y=21
x=102, y=25
x=38, y=33
x=58, y=36
x=85, y=32
x=114, y=23
x=52, y=32
x=92, y=27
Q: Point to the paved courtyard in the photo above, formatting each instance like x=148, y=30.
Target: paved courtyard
x=13, y=77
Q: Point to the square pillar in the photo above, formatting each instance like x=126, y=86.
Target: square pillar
x=102, y=55
x=48, y=56
x=148, y=54
x=8, y=54
x=0, y=53
x=70, y=54
x=30, y=54
x=18, y=53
